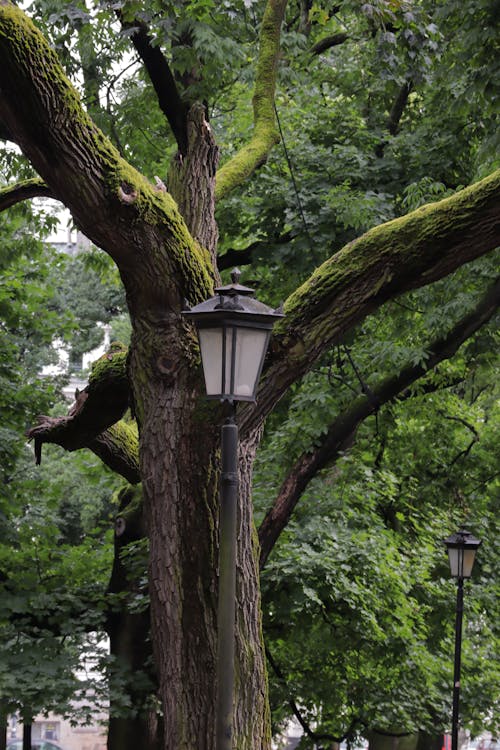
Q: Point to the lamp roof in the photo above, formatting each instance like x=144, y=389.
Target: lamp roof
x=462, y=539
x=234, y=301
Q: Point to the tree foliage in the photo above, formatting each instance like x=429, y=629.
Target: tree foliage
x=380, y=408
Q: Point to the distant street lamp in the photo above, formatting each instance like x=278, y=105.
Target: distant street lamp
x=233, y=331
x=462, y=547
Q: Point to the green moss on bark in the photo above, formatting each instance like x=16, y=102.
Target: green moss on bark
x=402, y=254
x=45, y=113
x=265, y=135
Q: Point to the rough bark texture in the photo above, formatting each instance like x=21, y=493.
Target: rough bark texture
x=160, y=264
x=191, y=180
x=33, y=188
x=402, y=254
x=129, y=642
x=180, y=466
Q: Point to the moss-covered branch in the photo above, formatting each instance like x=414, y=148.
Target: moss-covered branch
x=390, y=259
x=265, y=134
x=92, y=420
x=24, y=190
x=342, y=430
x=118, y=448
x=113, y=204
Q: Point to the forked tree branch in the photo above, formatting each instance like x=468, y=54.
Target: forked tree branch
x=112, y=204
x=343, y=429
x=96, y=409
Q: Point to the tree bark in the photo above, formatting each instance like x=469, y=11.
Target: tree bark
x=403, y=254
x=130, y=645
x=179, y=462
x=191, y=181
x=265, y=134
x=429, y=741
x=3, y=725
x=21, y=191
x=27, y=735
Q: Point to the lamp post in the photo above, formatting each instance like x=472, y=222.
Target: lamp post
x=233, y=331
x=462, y=547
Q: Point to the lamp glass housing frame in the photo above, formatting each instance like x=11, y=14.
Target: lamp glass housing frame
x=462, y=547
x=233, y=331
x=232, y=353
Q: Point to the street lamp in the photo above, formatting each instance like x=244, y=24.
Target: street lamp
x=233, y=331
x=462, y=547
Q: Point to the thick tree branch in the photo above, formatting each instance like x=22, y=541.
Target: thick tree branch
x=328, y=42
x=97, y=408
x=395, y=115
x=265, y=134
x=118, y=448
x=398, y=107
x=169, y=99
x=343, y=428
x=112, y=203
x=21, y=191
x=245, y=256
x=403, y=254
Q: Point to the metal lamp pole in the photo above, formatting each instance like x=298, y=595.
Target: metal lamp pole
x=227, y=582
x=233, y=331
x=462, y=547
x=457, y=664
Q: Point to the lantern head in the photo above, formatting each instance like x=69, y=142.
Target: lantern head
x=233, y=331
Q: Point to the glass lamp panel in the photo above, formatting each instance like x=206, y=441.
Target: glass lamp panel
x=461, y=561
x=211, y=357
x=227, y=386
x=469, y=556
x=454, y=555
x=251, y=344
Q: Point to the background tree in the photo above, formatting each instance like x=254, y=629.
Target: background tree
x=360, y=570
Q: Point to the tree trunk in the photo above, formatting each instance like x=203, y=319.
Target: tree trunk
x=179, y=460
x=27, y=735
x=429, y=741
x=3, y=726
x=130, y=642
x=379, y=741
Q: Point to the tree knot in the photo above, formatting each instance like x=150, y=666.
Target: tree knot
x=127, y=193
